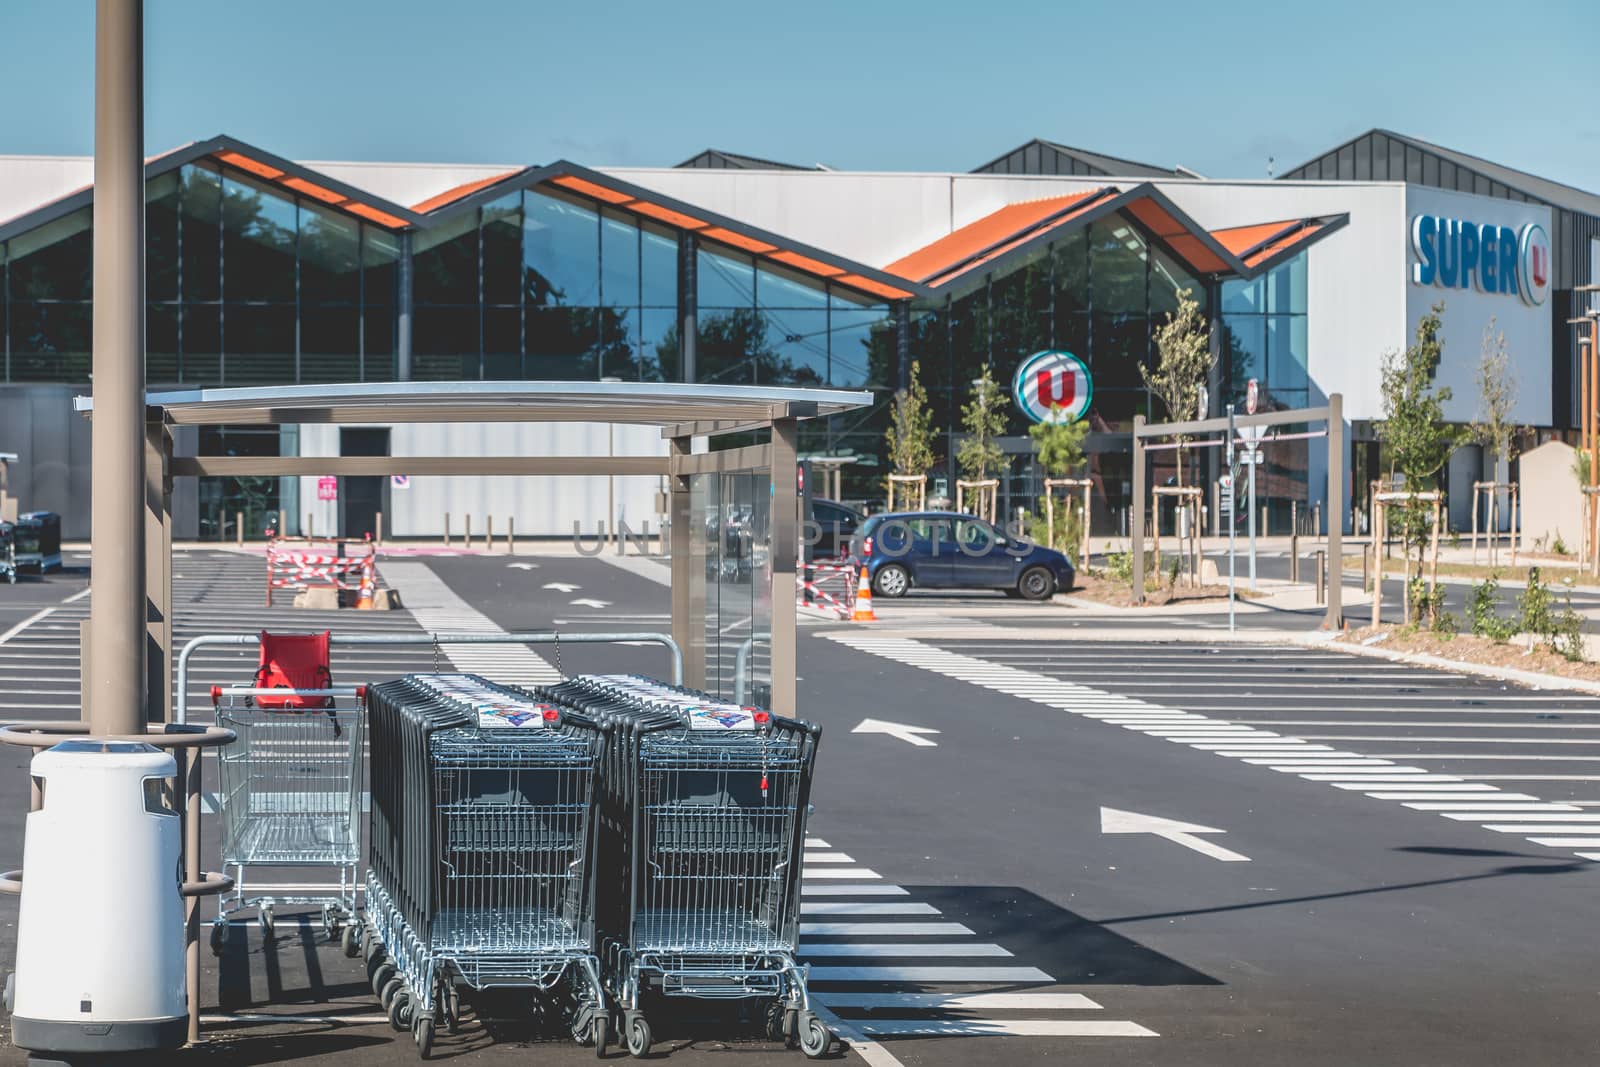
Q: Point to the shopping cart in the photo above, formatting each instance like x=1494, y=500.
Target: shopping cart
x=290, y=785
x=8, y=552
x=480, y=865
x=704, y=821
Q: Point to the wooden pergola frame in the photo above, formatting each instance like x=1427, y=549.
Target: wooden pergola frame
x=1381, y=499
x=1492, y=517
x=987, y=492
x=1187, y=496
x=1050, y=486
x=920, y=481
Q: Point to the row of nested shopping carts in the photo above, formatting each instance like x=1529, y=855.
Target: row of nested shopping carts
x=603, y=843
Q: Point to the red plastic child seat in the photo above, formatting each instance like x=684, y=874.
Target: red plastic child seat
x=294, y=661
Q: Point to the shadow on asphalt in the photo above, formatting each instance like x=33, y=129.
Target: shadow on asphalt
x=1511, y=871
x=1070, y=948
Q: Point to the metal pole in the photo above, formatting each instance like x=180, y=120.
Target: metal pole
x=784, y=550
x=114, y=668
x=1250, y=514
x=1336, y=512
x=1136, y=531
x=1233, y=527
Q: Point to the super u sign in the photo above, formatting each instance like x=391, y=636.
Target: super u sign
x=1053, y=387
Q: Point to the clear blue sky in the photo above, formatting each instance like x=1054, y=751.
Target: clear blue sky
x=865, y=84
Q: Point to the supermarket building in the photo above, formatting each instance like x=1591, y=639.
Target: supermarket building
x=733, y=270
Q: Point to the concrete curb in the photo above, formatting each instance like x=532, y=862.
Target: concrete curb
x=1531, y=679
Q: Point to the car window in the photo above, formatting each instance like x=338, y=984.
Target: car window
x=930, y=530
x=976, y=536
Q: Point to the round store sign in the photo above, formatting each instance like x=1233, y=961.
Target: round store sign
x=1053, y=387
x=1533, y=248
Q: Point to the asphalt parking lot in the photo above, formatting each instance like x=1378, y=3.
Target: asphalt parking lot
x=1053, y=844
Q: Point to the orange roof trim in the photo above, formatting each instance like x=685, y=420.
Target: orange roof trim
x=807, y=264
x=316, y=192
x=383, y=218
x=977, y=238
x=667, y=215
x=593, y=189
x=262, y=170
x=451, y=195
x=737, y=240
x=867, y=285
x=1260, y=242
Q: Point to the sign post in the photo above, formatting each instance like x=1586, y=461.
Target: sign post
x=1233, y=479
x=1252, y=456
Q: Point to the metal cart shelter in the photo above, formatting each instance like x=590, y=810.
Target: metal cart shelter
x=716, y=608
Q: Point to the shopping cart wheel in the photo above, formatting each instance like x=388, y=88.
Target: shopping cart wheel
x=422, y=1031
x=791, y=1027
x=401, y=1010
x=330, y=925
x=381, y=976
x=219, y=936
x=599, y=1029
x=452, y=1011
x=349, y=942
x=264, y=917
x=390, y=992
x=814, y=1038
x=774, y=1020
x=638, y=1035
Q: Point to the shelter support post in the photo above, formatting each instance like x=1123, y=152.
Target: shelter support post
x=1136, y=529
x=688, y=624
x=158, y=571
x=1336, y=512
x=785, y=547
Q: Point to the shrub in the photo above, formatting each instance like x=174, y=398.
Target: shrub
x=1536, y=606
x=1119, y=565
x=1481, y=617
x=1559, y=547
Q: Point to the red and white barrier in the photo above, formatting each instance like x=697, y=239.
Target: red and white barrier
x=832, y=587
x=290, y=568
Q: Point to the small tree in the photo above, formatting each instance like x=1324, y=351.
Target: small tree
x=1183, y=363
x=984, y=419
x=1060, y=446
x=911, y=427
x=1414, y=431
x=1497, y=396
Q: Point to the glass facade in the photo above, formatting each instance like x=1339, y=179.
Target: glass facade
x=247, y=285
x=1264, y=322
x=250, y=283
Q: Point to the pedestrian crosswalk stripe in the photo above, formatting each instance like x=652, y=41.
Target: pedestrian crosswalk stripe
x=853, y=907
x=851, y=890
x=1001, y=1028
x=965, y=1001
x=873, y=929
x=840, y=872
x=908, y=950
x=929, y=974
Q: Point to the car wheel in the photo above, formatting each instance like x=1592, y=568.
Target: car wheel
x=892, y=580
x=1036, y=583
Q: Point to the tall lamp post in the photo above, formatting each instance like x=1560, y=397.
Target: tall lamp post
x=1589, y=432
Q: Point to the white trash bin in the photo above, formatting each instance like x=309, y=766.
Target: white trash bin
x=100, y=945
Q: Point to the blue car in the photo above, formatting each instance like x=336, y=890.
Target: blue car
x=948, y=550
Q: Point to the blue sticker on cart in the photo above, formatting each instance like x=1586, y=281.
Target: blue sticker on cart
x=719, y=717
x=497, y=716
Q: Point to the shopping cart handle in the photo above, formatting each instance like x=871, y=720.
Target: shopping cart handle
x=216, y=695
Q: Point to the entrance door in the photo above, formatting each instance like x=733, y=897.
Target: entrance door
x=361, y=498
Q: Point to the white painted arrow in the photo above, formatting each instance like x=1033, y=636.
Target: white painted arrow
x=1113, y=821
x=898, y=729
x=585, y=602
x=562, y=587
x=522, y=566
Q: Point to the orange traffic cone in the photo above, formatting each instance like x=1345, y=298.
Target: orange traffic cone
x=863, y=609
x=368, y=581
